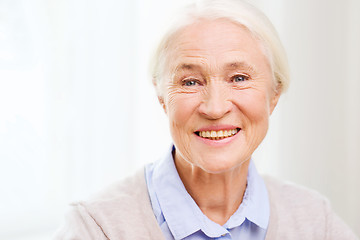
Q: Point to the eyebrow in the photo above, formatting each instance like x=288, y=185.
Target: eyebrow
x=241, y=65
x=232, y=65
x=187, y=66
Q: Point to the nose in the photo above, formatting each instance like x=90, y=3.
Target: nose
x=216, y=102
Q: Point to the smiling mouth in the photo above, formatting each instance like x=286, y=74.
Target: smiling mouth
x=217, y=135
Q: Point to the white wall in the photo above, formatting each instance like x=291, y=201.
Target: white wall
x=320, y=115
x=77, y=110
x=315, y=128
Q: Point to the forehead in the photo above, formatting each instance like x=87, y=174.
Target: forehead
x=216, y=43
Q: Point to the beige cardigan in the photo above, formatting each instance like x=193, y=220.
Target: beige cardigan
x=124, y=211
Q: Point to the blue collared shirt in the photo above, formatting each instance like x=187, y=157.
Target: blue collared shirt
x=180, y=218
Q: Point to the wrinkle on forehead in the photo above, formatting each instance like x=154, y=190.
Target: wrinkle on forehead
x=227, y=66
x=215, y=38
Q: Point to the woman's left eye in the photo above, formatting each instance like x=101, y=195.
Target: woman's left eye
x=240, y=78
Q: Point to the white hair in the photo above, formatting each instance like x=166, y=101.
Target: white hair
x=237, y=11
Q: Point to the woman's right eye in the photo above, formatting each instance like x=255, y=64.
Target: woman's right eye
x=189, y=83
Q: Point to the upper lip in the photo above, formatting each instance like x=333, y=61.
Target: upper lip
x=217, y=127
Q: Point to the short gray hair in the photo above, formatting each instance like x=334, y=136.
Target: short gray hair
x=237, y=11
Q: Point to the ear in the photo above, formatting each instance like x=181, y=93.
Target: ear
x=275, y=98
x=161, y=101
x=160, y=98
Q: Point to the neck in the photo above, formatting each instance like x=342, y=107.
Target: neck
x=218, y=195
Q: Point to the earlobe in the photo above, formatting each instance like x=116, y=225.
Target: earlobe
x=160, y=98
x=161, y=101
x=275, y=99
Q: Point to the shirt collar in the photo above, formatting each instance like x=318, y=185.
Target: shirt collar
x=255, y=204
x=184, y=217
x=175, y=203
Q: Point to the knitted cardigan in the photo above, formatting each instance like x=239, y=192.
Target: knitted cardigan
x=123, y=211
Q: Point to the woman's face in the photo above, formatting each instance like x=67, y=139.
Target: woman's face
x=218, y=96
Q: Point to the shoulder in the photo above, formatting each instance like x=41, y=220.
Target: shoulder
x=292, y=194
x=121, y=211
x=129, y=187
x=120, y=200
x=297, y=212
x=292, y=204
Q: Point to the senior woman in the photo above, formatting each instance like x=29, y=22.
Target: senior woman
x=218, y=74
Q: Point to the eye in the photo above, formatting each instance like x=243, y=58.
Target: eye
x=240, y=78
x=190, y=82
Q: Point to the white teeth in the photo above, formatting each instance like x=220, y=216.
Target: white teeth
x=218, y=134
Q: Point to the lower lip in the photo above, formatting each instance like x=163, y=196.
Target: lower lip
x=219, y=142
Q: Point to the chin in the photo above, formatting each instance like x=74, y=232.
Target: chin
x=217, y=165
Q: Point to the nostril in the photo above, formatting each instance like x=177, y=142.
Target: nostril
x=216, y=102
x=215, y=110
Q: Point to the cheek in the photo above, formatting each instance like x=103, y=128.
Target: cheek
x=255, y=106
x=180, y=108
